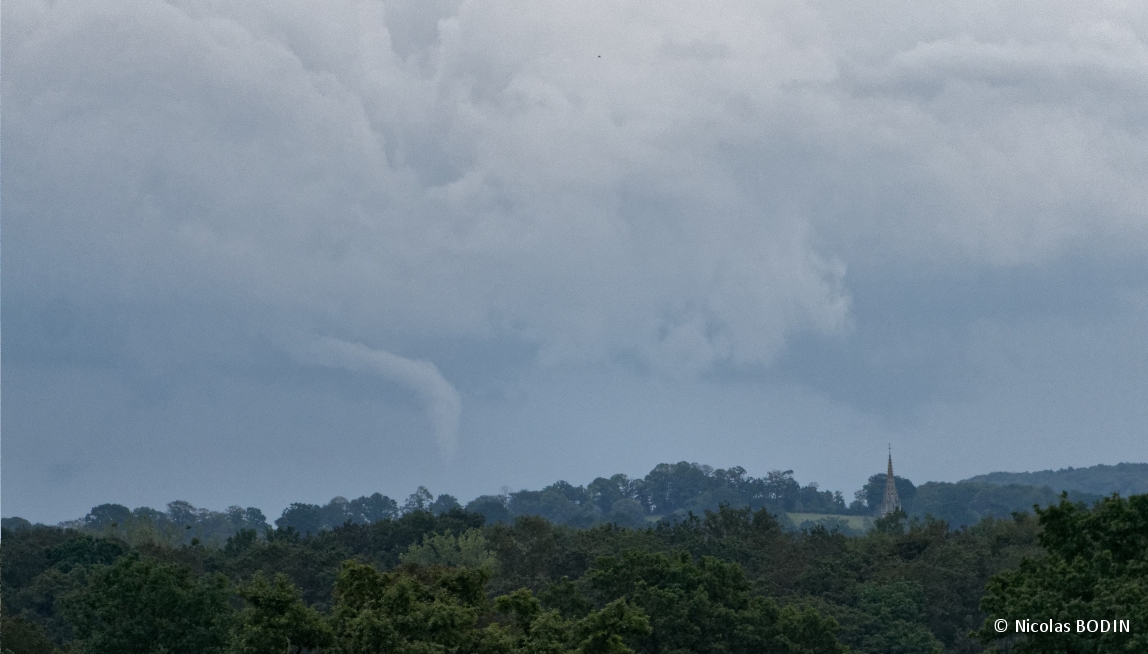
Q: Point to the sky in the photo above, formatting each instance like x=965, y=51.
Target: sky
x=277, y=251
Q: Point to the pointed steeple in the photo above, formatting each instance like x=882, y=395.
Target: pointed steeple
x=892, y=501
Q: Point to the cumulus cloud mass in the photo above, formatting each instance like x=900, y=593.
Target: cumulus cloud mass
x=678, y=190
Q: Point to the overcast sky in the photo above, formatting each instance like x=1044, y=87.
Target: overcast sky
x=271, y=251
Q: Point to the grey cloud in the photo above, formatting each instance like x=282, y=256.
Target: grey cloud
x=266, y=156
x=693, y=194
x=691, y=197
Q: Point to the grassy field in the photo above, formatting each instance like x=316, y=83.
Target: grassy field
x=855, y=522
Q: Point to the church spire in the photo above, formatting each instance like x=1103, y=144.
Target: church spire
x=891, y=502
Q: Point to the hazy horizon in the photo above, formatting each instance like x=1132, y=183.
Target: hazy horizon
x=278, y=252
x=275, y=512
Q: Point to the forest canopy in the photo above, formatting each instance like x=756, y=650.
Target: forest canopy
x=733, y=581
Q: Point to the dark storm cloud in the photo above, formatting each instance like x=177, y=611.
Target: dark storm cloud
x=495, y=205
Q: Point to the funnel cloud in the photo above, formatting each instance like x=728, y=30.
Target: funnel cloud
x=439, y=398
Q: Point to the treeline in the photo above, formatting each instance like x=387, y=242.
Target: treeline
x=673, y=491
x=729, y=581
x=965, y=503
x=669, y=492
x=1124, y=478
x=962, y=503
x=181, y=524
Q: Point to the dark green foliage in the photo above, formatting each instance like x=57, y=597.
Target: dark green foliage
x=533, y=629
x=738, y=578
x=606, y=631
x=617, y=500
x=33, y=575
x=15, y=523
x=29, y=552
x=312, y=562
x=384, y=542
x=307, y=518
x=671, y=487
x=180, y=524
x=812, y=500
x=675, y=489
x=873, y=492
x=377, y=612
x=966, y=503
x=1094, y=567
x=444, y=503
x=567, y=598
x=737, y=566
x=85, y=550
x=530, y=553
x=441, y=610
x=888, y=619
x=19, y=636
x=627, y=512
x=137, y=605
x=669, y=491
x=1124, y=478
x=492, y=507
x=275, y=620
x=821, y=567
x=892, y=524
x=706, y=606
x=107, y=515
x=605, y=492
x=312, y=518
x=559, y=502
x=366, y=510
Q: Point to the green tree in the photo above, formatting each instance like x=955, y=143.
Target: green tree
x=23, y=637
x=889, y=619
x=467, y=550
x=560, y=502
x=444, y=503
x=398, y=612
x=492, y=507
x=139, y=605
x=873, y=492
x=1095, y=567
x=605, y=492
x=423, y=610
x=668, y=487
x=537, y=631
x=276, y=621
x=606, y=631
x=781, y=489
x=420, y=500
x=892, y=524
x=706, y=606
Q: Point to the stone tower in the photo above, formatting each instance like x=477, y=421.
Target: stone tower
x=891, y=502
